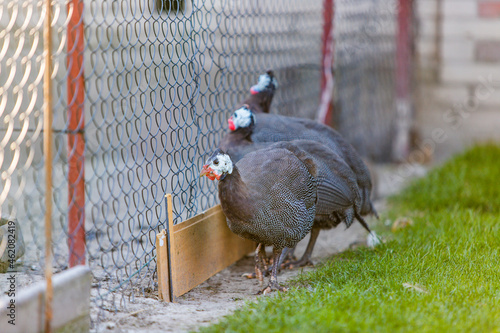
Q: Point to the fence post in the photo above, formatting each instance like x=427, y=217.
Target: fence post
x=326, y=109
x=47, y=150
x=401, y=145
x=76, y=144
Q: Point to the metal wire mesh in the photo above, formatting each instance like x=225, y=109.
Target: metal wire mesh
x=21, y=94
x=365, y=57
x=161, y=88
x=142, y=92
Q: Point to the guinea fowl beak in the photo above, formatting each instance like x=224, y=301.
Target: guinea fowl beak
x=205, y=171
x=231, y=124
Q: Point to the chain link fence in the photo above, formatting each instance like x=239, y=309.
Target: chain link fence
x=365, y=75
x=142, y=91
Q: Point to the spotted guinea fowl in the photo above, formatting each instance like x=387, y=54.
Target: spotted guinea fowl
x=260, y=128
x=261, y=94
x=269, y=197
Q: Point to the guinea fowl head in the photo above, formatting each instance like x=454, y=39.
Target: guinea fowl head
x=241, y=118
x=266, y=82
x=218, y=166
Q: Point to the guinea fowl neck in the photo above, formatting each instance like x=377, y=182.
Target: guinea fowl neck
x=234, y=194
x=233, y=181
x=244, y=133
x=259, y=103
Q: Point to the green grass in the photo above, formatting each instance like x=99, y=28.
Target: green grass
x=452, y=253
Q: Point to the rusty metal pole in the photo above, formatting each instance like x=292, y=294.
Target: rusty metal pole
x=325, y=112
x=401, y=145
x=76, y=143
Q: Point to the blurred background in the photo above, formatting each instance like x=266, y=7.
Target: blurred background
x=458, y=49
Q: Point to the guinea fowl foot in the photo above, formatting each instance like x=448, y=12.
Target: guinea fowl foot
x=261, y=265
x=287, y=260
x=298, y=263
x=272, y=287
x=266, y=273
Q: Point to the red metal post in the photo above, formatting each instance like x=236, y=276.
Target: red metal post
x=403, y=49
x=326, y=108
x=76, y=144
x=403, y=80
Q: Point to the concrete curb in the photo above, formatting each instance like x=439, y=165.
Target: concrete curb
x=71, y=304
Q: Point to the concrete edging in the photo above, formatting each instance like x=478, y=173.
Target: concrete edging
x=71, y=304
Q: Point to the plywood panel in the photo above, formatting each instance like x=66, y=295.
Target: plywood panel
x=162, y=266
x=201, y=247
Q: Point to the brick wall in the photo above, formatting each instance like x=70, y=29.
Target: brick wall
x=459, y=42
x=465, y=34
x=458, y=48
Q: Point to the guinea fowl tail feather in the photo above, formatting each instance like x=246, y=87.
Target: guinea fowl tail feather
x=374, y=211
x=372, y=239
x=362, y=221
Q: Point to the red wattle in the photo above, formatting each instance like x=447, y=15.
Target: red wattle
x=253, y=91
x=231, y=124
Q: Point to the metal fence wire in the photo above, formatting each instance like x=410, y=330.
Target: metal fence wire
x=142, y=90
x=365, y=75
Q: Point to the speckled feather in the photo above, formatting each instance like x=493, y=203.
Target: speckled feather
x=275, y=128
x=270, y=197
x=338, y=192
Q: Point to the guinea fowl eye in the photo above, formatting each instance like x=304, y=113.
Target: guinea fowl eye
x=216, y=162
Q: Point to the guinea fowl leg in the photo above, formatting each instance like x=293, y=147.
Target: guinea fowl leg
x=260, y=263
x=261, y=268
x=287, y=256
x=306, y=257
x=267, y=270
x=273, y=280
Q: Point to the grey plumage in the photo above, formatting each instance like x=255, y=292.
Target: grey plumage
x=282, y=192
x=339, y=197
x=344, y=183
x=338, y=193
x=275, y=128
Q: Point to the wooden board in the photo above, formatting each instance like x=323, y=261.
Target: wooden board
x=162, y=266
x=197, y=249
x=203, y=246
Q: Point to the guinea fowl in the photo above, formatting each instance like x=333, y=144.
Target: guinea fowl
x=332, y=166
x=238, y=143
x=261, y=94
x=269, y=197
x=261, y=128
